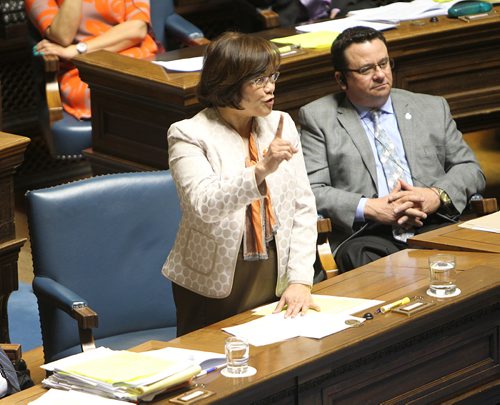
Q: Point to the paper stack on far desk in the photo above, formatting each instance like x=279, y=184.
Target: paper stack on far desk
x=403, y=11
x=487, y=223
x=119, y=374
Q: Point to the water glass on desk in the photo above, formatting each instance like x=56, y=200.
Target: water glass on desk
x=237, y=354
x=442, y=276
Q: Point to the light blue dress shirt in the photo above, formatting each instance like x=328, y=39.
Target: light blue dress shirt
x=389, y=123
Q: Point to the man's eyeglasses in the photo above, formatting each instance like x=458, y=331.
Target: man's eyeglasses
x=371, y=69
x=262, y=81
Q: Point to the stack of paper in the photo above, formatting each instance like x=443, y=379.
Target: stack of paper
x=487, y=223
x=403, y=11
x=120, y=374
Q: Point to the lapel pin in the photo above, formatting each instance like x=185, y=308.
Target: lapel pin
x=408, y=116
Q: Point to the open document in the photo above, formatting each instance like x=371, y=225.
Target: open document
x=335, y=316
x=276, y=328
x=487, y=223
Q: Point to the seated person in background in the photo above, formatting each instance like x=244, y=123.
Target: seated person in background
x=248, y=227
x=73, y=27
x=294, y=12
x=383, y=163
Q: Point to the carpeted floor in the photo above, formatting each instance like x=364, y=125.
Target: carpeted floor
x=24, y=325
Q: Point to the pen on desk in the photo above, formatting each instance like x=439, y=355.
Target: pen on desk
x=209, y=370
x=388, y=307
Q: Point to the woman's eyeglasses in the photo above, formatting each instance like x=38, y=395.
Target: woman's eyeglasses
x=262, y=81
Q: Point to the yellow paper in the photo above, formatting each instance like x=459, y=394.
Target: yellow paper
x=122, y=367
x=166, y=383
x=311, y=40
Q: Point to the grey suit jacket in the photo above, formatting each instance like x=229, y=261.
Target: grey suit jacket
x=341, y=166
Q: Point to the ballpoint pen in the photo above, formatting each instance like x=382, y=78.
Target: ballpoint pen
x=209, y=370
x=388, y=307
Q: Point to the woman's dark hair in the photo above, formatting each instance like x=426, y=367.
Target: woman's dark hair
x=230, y=61
x=354, y=35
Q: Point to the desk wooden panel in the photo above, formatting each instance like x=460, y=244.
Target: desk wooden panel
x=134, y=102
x=452, y=237
x=449, y=351
x=12, y=148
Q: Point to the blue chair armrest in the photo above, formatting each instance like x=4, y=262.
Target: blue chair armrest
x=178, y=27
x=65, y=299
x=61, y=296
x=70, y=302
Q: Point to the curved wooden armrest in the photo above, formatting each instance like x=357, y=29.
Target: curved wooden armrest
x=87, y=319
x=12, y=350
x=269, y=18
x=484, y=206
x=54, y=103
x=325, y=255
x=324, y=225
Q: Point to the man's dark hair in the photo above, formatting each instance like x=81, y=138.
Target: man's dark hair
x=354, y=35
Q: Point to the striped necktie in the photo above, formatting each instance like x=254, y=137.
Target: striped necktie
x=391, y=164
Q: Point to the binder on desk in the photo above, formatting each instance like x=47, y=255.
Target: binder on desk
x=119, y=374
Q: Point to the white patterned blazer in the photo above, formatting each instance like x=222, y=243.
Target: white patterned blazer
x=207, y=162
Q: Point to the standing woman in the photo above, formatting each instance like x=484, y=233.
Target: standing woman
x=73, y=27
x=248, y=229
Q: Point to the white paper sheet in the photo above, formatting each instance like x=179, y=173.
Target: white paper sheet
x=401, y=11
x=486, y=223
x=331, y=304
x=276, y=328
x=341, y=24
x=182, y=65
x=206, y=360
x=61, y=397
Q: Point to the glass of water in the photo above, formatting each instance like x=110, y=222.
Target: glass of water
x=442, y=275
x=237, y=353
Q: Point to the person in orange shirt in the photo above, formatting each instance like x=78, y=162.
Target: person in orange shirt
x=73, y=27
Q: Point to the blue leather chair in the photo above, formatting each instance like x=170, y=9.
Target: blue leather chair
x=99, y=245
x=167, y=23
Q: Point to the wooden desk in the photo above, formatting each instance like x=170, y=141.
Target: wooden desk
x=12, y=148
x=452, y=237
x=449, y=351
x=134, y=102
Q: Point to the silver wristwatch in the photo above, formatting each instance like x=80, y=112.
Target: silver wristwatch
x=82, y=47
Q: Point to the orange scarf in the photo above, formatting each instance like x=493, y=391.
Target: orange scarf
x=260, y=224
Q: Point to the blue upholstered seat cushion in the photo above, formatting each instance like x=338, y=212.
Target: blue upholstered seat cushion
x=71, y=136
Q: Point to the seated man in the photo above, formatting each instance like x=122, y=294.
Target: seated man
x=383, y=163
